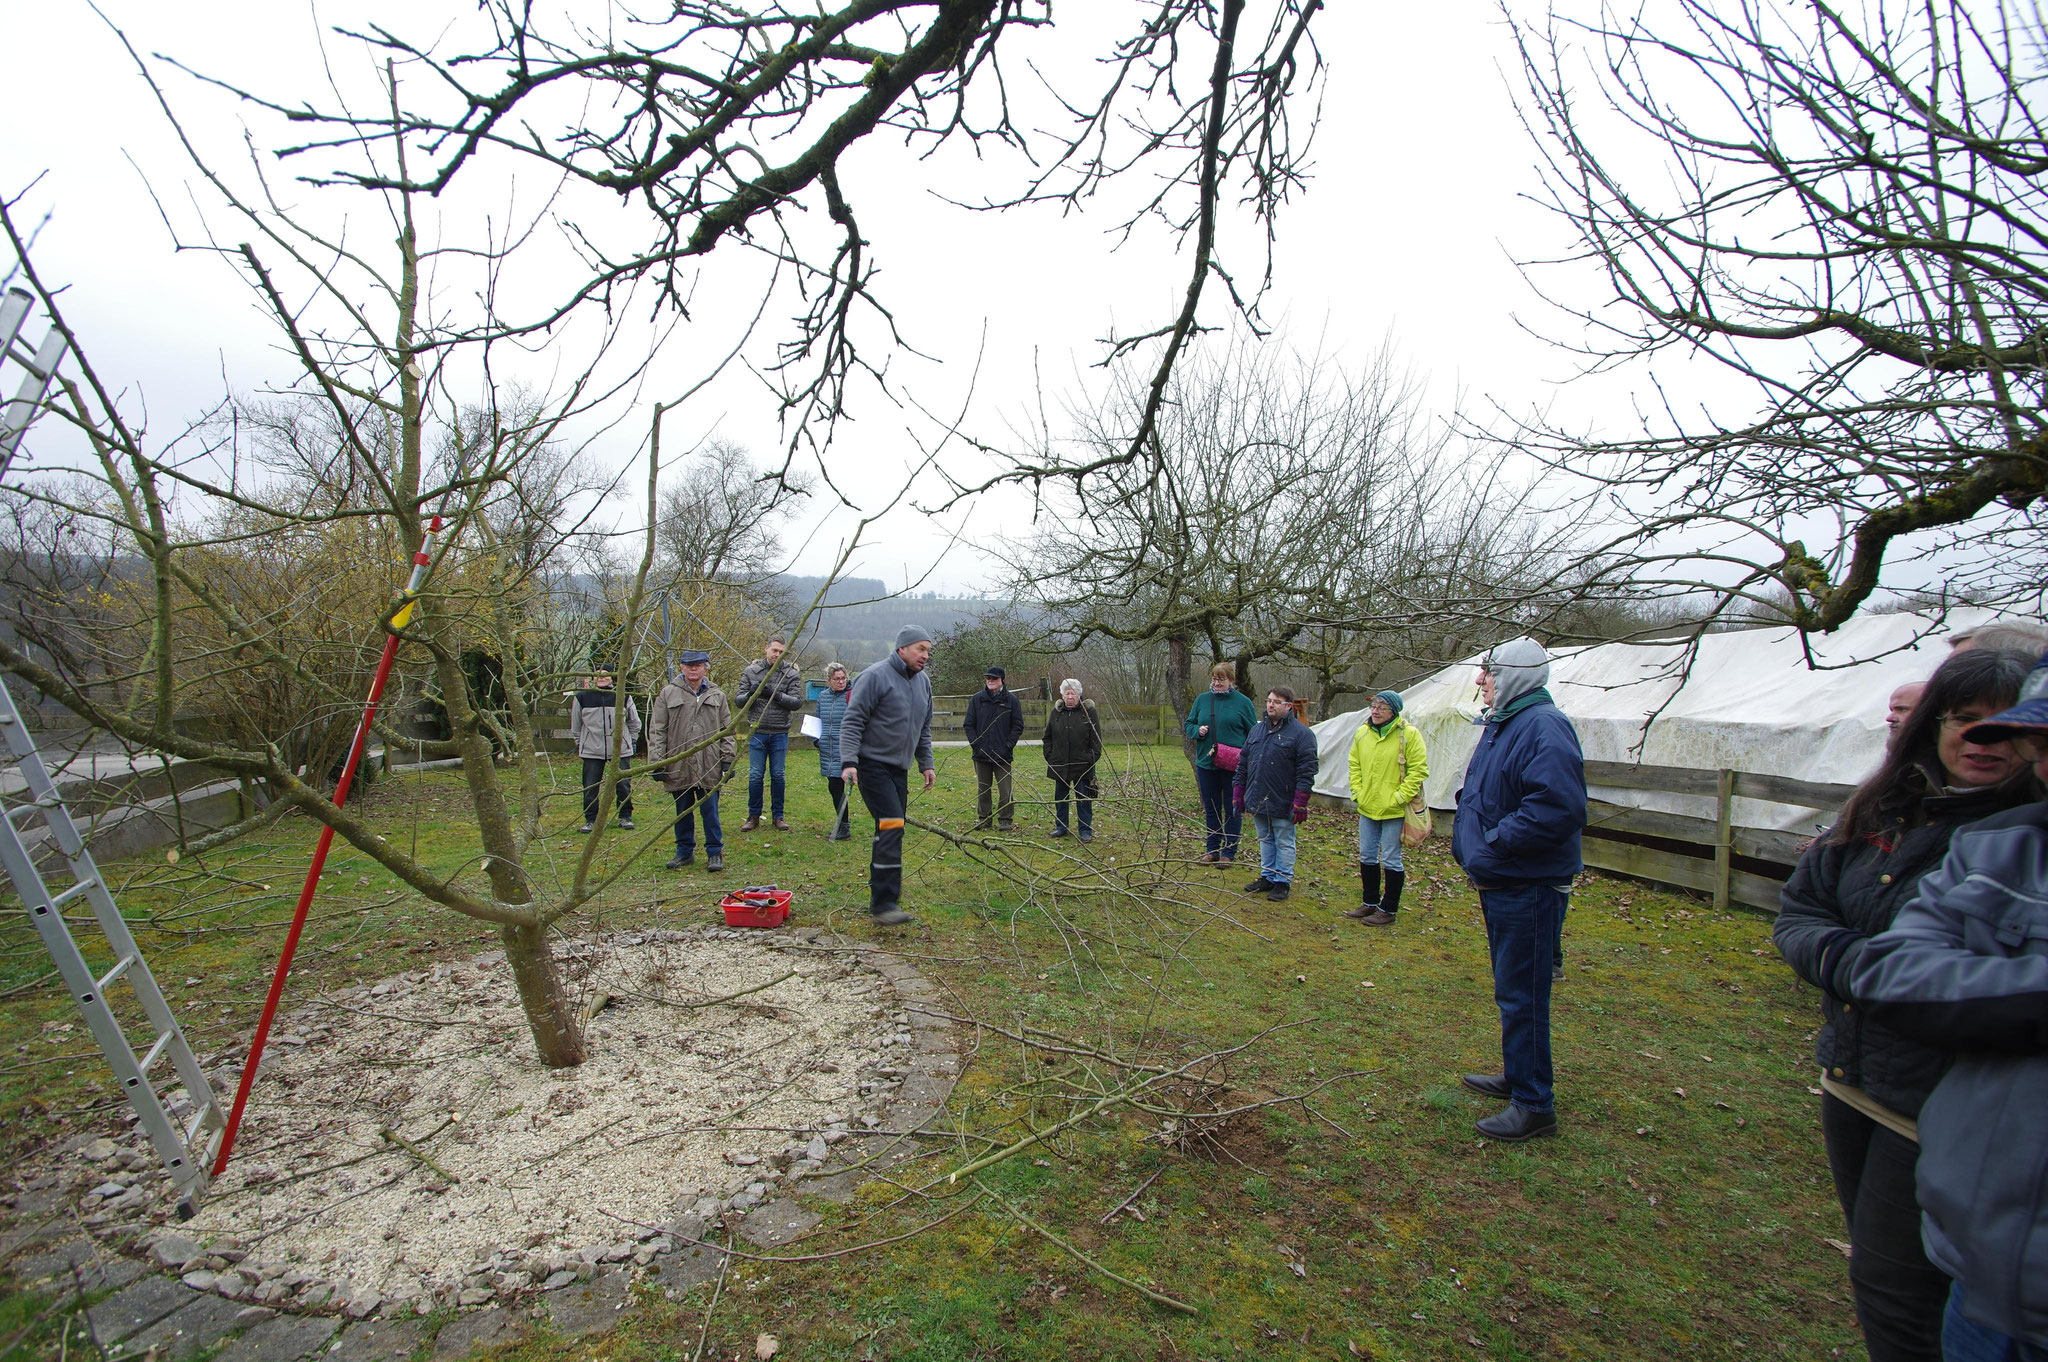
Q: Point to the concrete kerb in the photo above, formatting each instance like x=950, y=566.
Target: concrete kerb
x=156, y=1310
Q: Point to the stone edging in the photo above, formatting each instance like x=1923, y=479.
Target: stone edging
x=202, y=1300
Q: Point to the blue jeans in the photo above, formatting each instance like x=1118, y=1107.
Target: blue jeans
x=1521, y=935
x=765, y=750
x=1965, y=1340
x=1220, y=817
x=689, y=805
x=1276, y=847
x=1379, y=842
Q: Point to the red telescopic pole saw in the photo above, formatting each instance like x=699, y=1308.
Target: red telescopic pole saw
x=420, y=563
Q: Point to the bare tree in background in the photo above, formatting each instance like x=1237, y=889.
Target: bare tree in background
x=1843, y=210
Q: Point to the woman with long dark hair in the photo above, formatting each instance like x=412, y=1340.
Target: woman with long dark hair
x=1847, y=888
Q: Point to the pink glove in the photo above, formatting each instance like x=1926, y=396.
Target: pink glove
x=1301, y=806
x=1237, y=798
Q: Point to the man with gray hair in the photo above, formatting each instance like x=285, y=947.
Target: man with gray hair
x=2012, y=634
x=1516, y=835
x=888, y=725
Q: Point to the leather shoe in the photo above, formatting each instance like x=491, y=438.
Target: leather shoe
x=1493, y=1085
x=1278, y=893
x=839, y=835
x=1258, y=886
x=1209, y=858
x=782, y=825
x=1363, y=910
x=714, y=862
x=1379, y=917
x=1517, y=1124
x=751, y=824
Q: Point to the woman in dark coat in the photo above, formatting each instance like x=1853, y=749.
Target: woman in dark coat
x=1073, y=744
x=1847, y=888
x=832, y=713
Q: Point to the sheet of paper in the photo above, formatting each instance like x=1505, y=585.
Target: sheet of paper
x=812, y=728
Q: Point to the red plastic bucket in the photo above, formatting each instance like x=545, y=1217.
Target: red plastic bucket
x=756, y=908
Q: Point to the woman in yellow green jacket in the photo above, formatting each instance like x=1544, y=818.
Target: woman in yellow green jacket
x=1388, y=765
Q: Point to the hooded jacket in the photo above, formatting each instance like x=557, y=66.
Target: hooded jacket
x=1378, y=787
x=592, y=715
x=1522, y=810
x=1965, y=967
x=1838, y=899
x=1277, y=764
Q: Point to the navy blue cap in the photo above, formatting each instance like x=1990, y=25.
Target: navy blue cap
x=2031, y=713
x=994, y=673
x=690, y=655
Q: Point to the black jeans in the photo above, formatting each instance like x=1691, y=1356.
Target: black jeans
x=1083, y=791
x=886, y=792
x=593, y=788
x=837, y=788
x=1900, y=1296
x=1220, y=818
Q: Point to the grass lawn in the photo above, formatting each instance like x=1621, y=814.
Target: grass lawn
x=1685, y=1209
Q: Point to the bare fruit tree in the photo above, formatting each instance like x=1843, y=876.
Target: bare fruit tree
x=1842, y=209
x=723, y=129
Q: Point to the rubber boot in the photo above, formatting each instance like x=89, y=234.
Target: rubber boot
x=1369, y=884
x=1390, y=903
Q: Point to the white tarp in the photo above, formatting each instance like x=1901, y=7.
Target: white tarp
x=1749, y=702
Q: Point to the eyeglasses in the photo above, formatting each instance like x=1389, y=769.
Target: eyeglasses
x=1956, y=723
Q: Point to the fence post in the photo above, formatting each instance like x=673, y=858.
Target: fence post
x=1724, y=840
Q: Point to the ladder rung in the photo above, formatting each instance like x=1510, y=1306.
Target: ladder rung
x=74, y=891
x=156, y=1050
x=116, y=972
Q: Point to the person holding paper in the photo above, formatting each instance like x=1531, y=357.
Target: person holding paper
x=824, y=726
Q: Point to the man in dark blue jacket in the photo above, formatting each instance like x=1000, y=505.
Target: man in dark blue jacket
x=995, y=721
x=1516, y=835
x=1275, y=773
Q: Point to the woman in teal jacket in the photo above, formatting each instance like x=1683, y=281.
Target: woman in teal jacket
x=1388, y=765
x=1223, y=715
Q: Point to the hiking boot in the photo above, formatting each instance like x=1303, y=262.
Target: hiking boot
x=1517, y=1124
x=782, y=825
x=1258, y=886
x=751, y=823
x=1006, y=827
x=1378, y=918
x=892, y=917
x=1278, y=893
x=1493, y=1085
x=714, y=863
x=676, y=862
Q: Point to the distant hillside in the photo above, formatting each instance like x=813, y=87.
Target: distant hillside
x=858, y=634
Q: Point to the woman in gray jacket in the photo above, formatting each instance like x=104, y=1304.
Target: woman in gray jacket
x=593, y=718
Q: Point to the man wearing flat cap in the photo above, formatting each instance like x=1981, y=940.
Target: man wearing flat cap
x=887, y=728
x=995, y=721
x=690, y=733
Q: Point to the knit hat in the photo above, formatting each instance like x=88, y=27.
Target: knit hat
x=1519, y=666
x=1393, y=699
x=2030, y=715
x=911, y=633
x=993, y=673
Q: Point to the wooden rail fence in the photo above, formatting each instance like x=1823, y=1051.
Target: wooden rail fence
x=1735, y=864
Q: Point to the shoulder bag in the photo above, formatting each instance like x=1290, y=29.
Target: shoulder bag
x=1416, y=824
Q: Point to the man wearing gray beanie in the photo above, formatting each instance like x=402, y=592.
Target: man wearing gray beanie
x=888, y=726
x=1516, y=835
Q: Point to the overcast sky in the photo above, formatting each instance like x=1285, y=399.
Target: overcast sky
x=1407, y=232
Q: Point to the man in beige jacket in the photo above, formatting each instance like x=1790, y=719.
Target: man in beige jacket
x=690, y=746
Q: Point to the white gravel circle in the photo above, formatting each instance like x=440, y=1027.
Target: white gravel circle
x=554, y=1170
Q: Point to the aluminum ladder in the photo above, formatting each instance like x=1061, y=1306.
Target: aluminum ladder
x=182, y=1148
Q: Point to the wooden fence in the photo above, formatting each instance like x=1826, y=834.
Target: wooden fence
x=1735, y=864
x=1120, y=723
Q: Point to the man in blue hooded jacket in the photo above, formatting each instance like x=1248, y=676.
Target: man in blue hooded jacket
x=1516, y=836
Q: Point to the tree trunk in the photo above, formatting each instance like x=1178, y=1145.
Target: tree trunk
x=557, y=1033
x=1180, y=686
x=1244, y=678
